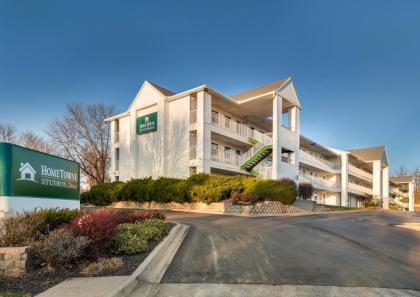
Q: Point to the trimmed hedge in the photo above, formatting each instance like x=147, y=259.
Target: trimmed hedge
x=197, y=188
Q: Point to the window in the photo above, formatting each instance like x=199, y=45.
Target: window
x=214, y=117
x=238, y=127
x=193, y=170
x=117, y=131
x=227, y=155
x=227, y=122
x=215, y=151
x=117, y=178
x=287, y=156
x=27, y=176
x=117, y=158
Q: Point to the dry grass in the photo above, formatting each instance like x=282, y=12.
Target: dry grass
x=103, y=264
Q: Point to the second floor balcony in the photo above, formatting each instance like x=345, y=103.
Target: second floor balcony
x=360, y=188
x=317, y=161
x=316, y=180
x=239, y=128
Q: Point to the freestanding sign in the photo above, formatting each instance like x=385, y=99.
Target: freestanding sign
x=29, y=177
x=147, y=123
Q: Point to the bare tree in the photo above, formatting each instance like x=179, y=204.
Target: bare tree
x=402, y=171
x=416, y=173
x=33, y=141
x=305, y=190
x=82, y=135
x=8, y=133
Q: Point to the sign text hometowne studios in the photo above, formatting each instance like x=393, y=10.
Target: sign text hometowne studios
x=58, y=177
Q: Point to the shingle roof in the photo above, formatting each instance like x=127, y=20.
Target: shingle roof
x=369, y=153
x=402, y=179
x=164, y=91
x=271, y=87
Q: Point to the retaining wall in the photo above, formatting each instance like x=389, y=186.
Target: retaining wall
x=15, y=261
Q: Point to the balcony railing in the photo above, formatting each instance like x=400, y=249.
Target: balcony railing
x=264, y=169
x=303, y=177
x=360, y=188
x=193, y=116
x=304, y=155
x=360, y=172
x=226, y=157
x=239, y=128
x=193, y=152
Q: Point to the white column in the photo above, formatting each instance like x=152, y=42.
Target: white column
x=162, y=132
x=112, y=137
x=203, y=132
x=134, y=152
x=411, y=196
x=294, y=119
x=377, y=180
x=385, y=187
x=277, y=122
x=344, y=178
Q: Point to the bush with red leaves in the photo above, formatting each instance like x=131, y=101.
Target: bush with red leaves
x=100, y=227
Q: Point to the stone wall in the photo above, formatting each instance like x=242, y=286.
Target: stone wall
x=14, y=261
x=226, y=207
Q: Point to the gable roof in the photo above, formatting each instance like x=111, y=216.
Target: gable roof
x=26, y=166
x=264, y=89
x=369, y=153
x=164, y=91
x=402, y=179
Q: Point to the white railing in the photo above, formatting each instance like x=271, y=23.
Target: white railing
x=193, y=152
x=193, y=116
x=239, y=128
x=360, y=172
x=303, y=177
x=304, y=155
x=116, y=137
x=226, y=157
x=264, y=169
x=360, y=188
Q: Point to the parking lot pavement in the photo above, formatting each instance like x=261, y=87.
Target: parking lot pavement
x=346, y=250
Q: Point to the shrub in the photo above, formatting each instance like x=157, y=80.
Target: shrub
x=288, y=181
x=197, y=188
x=374, y=202
x=60, y=248
x=102, y=194
x=101, y=226
x=305, y=190
x=272, y=190
x=153, y=229
x=23, y=228
x=213, y=188
x=132, y=238
x=103, y=264
x=243, y=198
x=128, y=240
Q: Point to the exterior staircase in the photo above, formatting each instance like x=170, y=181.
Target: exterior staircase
x=257, y=153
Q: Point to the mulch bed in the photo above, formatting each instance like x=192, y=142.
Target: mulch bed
x=39, y=280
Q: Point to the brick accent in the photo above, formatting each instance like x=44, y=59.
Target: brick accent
x=15, y=261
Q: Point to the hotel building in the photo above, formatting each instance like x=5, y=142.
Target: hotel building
x=256, y=132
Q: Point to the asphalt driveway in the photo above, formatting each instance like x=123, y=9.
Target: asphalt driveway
x=350, y=250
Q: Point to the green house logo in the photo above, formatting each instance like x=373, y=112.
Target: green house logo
x=27, y=172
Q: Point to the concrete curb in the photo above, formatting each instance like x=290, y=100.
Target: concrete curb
x=155, y=265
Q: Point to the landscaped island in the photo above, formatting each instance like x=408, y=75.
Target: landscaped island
x=56, y=244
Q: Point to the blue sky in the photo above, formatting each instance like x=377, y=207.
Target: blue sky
x=355, y=64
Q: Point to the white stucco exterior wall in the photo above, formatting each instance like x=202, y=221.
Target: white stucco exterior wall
x=377, y=179
x=385, y=187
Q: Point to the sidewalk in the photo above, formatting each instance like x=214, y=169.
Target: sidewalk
x=248, y=290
